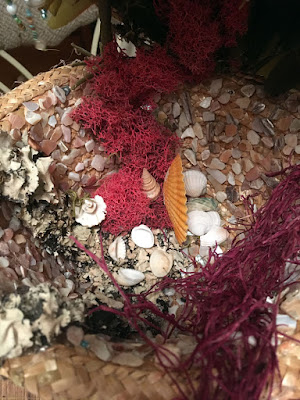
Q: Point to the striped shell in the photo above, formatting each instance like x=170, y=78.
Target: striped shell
x=150, y=187
x=175, y=199
x=195, y=182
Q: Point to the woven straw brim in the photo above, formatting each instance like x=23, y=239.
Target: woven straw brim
x=64, y=373
x=37, y=86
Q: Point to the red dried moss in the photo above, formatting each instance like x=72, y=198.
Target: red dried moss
x=226, y=308
x=119, y=112
x=198, y=29
x=132, y=82
x=127, y=205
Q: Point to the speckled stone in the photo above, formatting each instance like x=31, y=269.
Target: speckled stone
x=98, y=162
x=231, y=130
x=295, y=125
x=47, y=146
x=217, y=164
x=236, y=153
x=221, y=196
x=225, y=155
x=198, y=130
x=218, y=175
x=224, y=98
x=236, y=168
x=208, y=116
x=205, y=154
x=253, y=137
x=243, y=102
x=205, y=103
x=268, y=142
x=291, y=139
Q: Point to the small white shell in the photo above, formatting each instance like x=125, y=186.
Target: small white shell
x=160, y=263
x=142, y=236
x=199, y=222
x=117, y=249
x=92, y=212
x=216, y=235
x=195, y=183
x=129, y=277
x=215, y=218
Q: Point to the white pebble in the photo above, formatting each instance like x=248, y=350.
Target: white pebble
x=221, y=196
x=32, y=118
x=79, y=167
x=98, y=162
x=253, y=137
x=230, y=178
x=74, y=177
x=236, y=168
x=188, y=133
x=89, y=145
x=205, y=103
x=4, y=262
x=52, y=121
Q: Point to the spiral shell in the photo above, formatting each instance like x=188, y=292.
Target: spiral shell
x=175, y=199
x=89, y=206
x=150, y=187
x=195, y=182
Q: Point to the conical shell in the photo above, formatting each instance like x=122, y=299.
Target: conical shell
x=195, y=183
x=160, y=263
x=117, y=249
x=149, y=185
x=175, y=199
x=216, y=235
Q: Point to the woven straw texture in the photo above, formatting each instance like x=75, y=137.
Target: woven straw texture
x=38, y=86
x=63, y=373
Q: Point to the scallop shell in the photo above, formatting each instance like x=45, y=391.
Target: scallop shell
x=202, y=204
x=117, y=249
x=195, y=182
x=175, y=199
x=129, y=277
x=142, y=236
x=199, y=222
x=160, y=263
x=150, y=187
x=216, y=235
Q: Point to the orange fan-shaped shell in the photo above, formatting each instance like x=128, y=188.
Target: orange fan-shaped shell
x=175, y=199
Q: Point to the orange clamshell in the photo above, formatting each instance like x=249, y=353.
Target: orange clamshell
x=175, y=199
